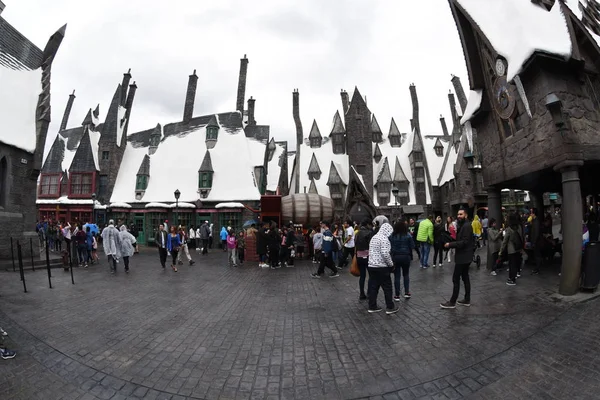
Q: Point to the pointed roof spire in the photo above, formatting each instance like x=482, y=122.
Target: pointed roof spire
x=384, y=175
x=394, y=131
x=417, y=142
x=314, y=168
x=97, y=111
x=334, y=175
x=375, y=125
x=272, y=146
x=88, y=118
x=213, y=121
x=337, y=126
x=206, y=165
x=145, y=166
x=157, y=131
x=314, y=131
x=377, y=153
x=399, y=175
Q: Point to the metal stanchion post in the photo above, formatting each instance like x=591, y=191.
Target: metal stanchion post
x=12, y=253
x=31, y=249
x=20, y=255
x=48, y=264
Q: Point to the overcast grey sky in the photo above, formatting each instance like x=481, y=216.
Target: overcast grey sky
x=317, y=46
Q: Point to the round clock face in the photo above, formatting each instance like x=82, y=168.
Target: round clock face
x=504, y=102
x=500, y=67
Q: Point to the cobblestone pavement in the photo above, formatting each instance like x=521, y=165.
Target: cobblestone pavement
x=215, y=332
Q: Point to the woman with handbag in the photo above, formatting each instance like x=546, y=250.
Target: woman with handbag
x=362, y=239
x=173, y=245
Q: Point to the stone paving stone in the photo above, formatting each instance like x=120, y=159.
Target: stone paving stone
x=211, y=332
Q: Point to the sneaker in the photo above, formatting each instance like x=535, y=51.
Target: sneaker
x=174, y=268
x=392, y=310
x=6, y=354
x=434, y=265
x=126, y=270
x=407, y=295
x=334, y=275
x=362, y=297
x=315, y=275
x=3, y=332
x=448, y=305
x=374, y=310
x=396, y=298
x=85, y=266
x=464, y=303
x=518, y=274
x=510, y=282
x=535, y=272
x=180, y=262
x=494, y=273
x=192, y=262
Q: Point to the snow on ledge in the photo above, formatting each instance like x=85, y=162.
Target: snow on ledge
x=473, y=105
x=182, y=205
x=229, y=205
x=518, y=28
x=18, y=105
x=158, y=205
x=120, y=205
x=66, y=200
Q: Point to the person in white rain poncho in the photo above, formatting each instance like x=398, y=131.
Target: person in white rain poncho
x=112, y=245
x=128, y=242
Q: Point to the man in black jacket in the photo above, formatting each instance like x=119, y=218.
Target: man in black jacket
x=161, y=242
x=465, y=246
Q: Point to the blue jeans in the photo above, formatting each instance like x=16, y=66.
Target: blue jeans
x=401, y=266
x=425, y=249
x=362, y=266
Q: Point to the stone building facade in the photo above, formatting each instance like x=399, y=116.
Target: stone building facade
x=213, y=167
x=536, y=117
x=24, y=121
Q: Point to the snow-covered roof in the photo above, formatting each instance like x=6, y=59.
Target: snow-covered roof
x=577, y=7
x=324, y=156
x=233, y=158
x=182, y=205
x=473, y=105
x=94, y=138
x=18, y=105
x=447, y=173
x=518, y=28
x=230, y=205
x=434, y=162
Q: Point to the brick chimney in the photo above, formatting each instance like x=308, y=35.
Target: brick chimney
x=241, y=94
x=415, y=106
x=444, y=127
x=251, y=120
x=124, y=84
x=190, y=97
x=65, y=120
x=345, y=101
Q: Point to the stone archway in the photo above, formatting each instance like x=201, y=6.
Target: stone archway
x=359, y=211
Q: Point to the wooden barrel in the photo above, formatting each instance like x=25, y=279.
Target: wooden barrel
x=307, y=209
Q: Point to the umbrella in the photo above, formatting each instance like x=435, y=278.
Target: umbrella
x=93, y=228
x=249, y=223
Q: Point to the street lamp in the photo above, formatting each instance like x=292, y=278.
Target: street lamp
x=395, y=194
x=93, y=208
x=177, y=194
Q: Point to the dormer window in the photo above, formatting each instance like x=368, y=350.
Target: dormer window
x=315, y=142
x=377, y=137
x=50, y=185
x=80, y=184
x=141, y=182
x=212, y=132
x=335, y=190
x=395, y=141
x=338, y=143
x=314, y=175
x=439, y=151
x=383, y=189
x=418, y=156
x=205, y=180
x=154, y=140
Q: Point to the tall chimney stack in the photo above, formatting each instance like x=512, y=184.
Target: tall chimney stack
x=129, y=104
x=126, y=79
x=299, y=137
x=251, y=120
x=453, y=112
x=460, y=92
x=241, y=95
x=415, y=106
x=1, y=6
x=345, y=101
x=65, y=120
x=190, y=97
x=444, y=127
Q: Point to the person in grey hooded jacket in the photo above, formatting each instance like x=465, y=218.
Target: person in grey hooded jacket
x=380, y=267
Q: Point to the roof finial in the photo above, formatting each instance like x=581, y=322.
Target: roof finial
x=73, y=94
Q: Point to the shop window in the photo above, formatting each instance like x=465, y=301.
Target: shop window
x=81, y=184
x=230, y=219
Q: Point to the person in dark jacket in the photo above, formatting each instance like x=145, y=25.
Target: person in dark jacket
x=274, y=240
x=438, y=242
x=327, y=253
x=464, y=246
x=362, y=239
x=402, y=254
